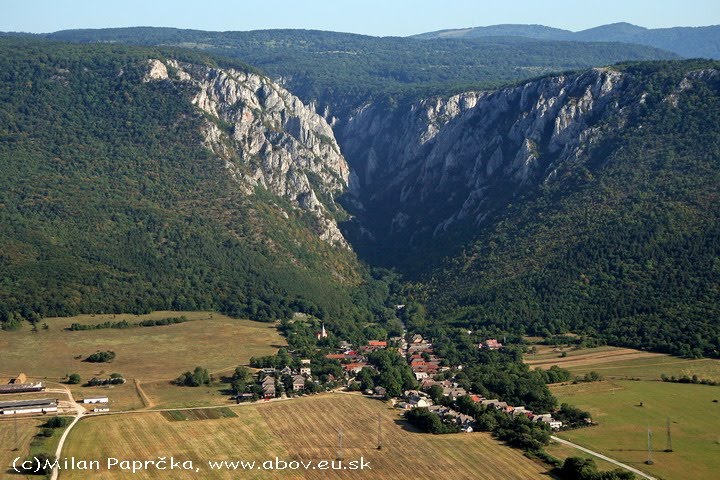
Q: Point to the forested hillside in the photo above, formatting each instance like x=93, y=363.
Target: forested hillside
x=690, y=42
x=110, y=201
x=623, y=243
x=342, y=71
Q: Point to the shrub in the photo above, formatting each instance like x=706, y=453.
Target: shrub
x=101, y=357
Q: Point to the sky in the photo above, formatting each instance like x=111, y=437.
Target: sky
x=371, y=17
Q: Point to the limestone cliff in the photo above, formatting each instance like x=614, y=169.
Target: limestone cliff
x=433, y=163
x=267, y=137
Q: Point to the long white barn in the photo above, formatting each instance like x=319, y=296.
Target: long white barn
x=18, y=407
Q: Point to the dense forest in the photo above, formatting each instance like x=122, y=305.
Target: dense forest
x=623, y=245
x=343, y=71
x=110, y=203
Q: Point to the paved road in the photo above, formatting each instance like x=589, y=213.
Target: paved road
x=607, y=459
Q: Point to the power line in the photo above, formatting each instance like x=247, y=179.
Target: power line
x=379, y=433
x=649, y=460
x=340, y=444
x=668, y=447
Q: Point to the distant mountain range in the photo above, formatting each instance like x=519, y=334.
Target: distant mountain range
x=691, y=42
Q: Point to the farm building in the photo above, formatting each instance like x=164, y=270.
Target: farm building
x=96, y=400
x=298, y=382
x=19, y=379
x=22, y=387
x=18, y=407
x=101, y=409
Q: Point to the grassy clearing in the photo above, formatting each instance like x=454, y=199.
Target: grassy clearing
x=623, y=363
x=558, y=450
x=547, y=356
x=622, y=429
x=653, y=368
x=304, y=429
x=204, y=414
x=149, y=354
x=166, y=395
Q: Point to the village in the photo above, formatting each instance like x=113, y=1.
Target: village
x=428, y=369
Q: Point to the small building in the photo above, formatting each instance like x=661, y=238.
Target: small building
x=417, y=338
x=377, y=344
x=417, y=401
x=456, y=393
x=96, y=400
x=298, y=382
x=490, y=344
x=101, y=409
x=244, y=397
x=306, y=371
x=21, y=378
x=465, y=422
x=354, y=367
x=20, y=407
x=554, y=424
x=305, y=361
x=380, y=391
x=268, y=386
x=286, y=371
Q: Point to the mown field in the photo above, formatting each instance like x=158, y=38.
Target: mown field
x=623, y=363
x=623, y=423
x=299, y=429
x=151, y=355
x=27, y=428
x=20, y=438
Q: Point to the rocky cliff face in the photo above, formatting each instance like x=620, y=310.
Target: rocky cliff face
x=267, y=137
x=430, y=165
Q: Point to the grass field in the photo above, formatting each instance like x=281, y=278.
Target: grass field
x=304, y=429
x=624, y=363
x=19, y=438
x=27, y=428
x=148, y=354
x=623, y=424
x=558, y=450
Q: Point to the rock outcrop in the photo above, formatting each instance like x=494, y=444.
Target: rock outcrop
x=267, y=137
x=434, y=163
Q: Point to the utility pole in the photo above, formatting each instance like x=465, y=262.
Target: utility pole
x=340, y=444
x=668, y=447
x=379, y=436
x=649, y=460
